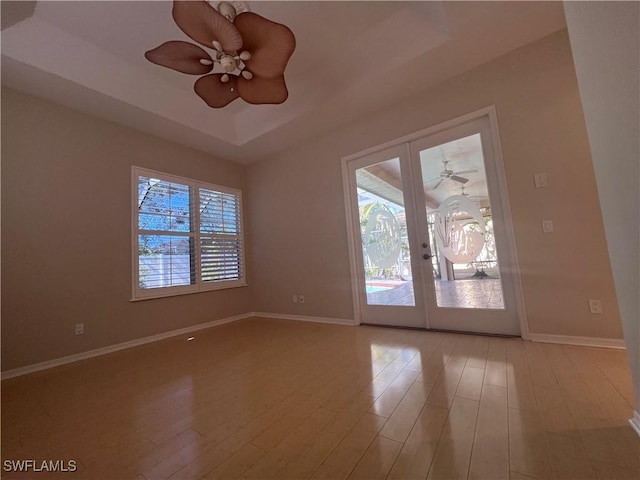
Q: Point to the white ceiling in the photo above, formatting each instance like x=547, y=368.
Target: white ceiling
x=351, y=59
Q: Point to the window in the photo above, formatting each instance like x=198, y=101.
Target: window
x=187, y=236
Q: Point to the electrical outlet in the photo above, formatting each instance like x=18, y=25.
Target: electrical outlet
x=301, y=298
x=294, y=299
x=547, y=226
x=595, y=306
x=79, y=328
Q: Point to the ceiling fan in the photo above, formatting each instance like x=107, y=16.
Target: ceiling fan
x=248, y=53
x=450, y=175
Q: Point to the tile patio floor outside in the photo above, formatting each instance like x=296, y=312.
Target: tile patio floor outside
x=467, y=293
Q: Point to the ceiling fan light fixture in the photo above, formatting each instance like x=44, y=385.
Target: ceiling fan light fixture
x=246, y=47
x=228, y=63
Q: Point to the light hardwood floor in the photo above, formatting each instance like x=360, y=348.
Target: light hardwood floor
x=264, y=398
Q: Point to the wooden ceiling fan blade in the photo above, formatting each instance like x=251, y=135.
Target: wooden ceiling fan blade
x=270, y=44
x=181, y=56
x=204, y=24
x=216, y=93
x=258, y=90
x=458, y=179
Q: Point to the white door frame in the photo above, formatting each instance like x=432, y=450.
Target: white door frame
x=509, y=248
x=404, y=315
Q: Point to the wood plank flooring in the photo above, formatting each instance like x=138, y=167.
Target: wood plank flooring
x=276, y=399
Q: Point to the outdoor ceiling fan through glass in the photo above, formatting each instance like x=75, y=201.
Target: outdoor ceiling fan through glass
x=248, y=53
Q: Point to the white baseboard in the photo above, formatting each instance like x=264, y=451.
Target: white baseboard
x=635, y=422
x=536, y=337
x=582, y=341
x=303, y=318
x=16, y=372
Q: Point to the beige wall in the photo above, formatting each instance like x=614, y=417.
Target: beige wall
x=605, y=44
x=297, y=211
x=66, y=252
x=66, y=233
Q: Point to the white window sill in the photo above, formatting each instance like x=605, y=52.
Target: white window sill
x=191, y=292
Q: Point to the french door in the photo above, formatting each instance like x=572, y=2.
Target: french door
x=430, y=242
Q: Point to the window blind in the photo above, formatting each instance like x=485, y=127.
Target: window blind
x=220, y=242
x=180, y=248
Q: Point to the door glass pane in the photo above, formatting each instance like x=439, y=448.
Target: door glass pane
x=383, y=229
x=464, y=263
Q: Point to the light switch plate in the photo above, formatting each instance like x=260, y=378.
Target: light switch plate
x=540, y=180
x=595, y=306
x=547, y=226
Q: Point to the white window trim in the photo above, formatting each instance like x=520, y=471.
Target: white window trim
x=138, y=294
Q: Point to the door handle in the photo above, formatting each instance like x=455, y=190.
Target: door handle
x=427, y=256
